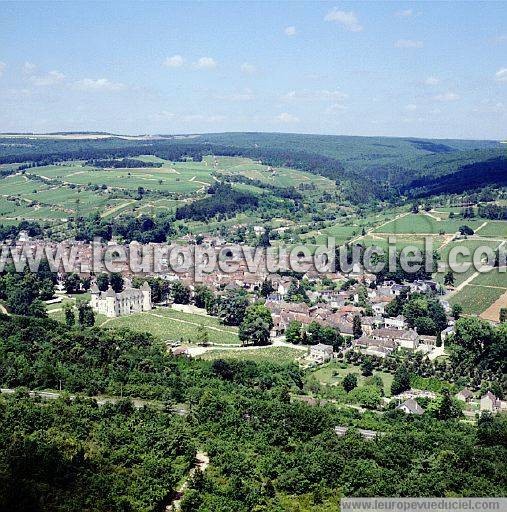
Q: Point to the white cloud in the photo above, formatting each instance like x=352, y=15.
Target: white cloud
x=331, y=95
x=335, y=107
x=206, y=63
x=51, y=78
x=2, y=67
x=290, y=31
x=99, y=84
x=188, y=118
x=404, y=13
x=447, y=96
x=287, y=118
x=488, y=106
x=176, y=61
x=28, y=68
x=202, y=118
x=411, y=107
x=432, y=80
x=324, y=95
x=408, y=43
x=248, y=69
x=501, y=75
x=245, y=95
x=347, y=19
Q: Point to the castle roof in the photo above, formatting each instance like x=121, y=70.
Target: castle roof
x=110, y=292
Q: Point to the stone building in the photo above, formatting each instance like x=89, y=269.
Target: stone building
x=130, y=300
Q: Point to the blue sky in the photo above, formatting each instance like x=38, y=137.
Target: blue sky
x=427, y=69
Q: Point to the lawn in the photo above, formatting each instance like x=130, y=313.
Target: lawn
x=333, y=374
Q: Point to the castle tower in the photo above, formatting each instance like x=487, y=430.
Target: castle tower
x=111, y=303
x=146, y=290
x=95, y=294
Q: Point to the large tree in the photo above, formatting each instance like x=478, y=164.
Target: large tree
x=232, y=307
x=256, y=325
x=401, y=381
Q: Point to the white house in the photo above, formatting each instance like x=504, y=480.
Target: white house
x=490, y=403
x=399, y=322
x=410, y=406
x=321, y=353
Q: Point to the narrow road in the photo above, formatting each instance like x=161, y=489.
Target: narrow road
x=101, y=400
x=277, y=342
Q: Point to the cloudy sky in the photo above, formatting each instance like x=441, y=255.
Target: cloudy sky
x=405, y=69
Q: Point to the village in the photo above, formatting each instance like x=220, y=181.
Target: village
x=354, y=306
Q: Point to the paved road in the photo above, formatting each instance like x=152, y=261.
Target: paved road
x=101, y=400
x=276, y=342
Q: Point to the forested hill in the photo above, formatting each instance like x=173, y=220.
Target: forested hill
x=365, y=167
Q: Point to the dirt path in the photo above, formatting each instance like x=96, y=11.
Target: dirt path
x=433, y=216
x=462, y=285
x=369, y=231
x=201, y=462
x=447, y=240
x=481, y=226
x=277, y=342
x=116, y=208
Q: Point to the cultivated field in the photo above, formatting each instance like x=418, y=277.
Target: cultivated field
x=172, y=325
x=279, y=355
x=422, y=223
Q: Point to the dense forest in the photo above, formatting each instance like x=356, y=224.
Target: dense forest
x=268, y=452
x=222, y=199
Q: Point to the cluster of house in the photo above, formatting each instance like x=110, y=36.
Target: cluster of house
x=487, y=402
x=381, y=335
x=324, y=313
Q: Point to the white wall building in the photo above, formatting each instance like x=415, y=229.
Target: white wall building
x=130, y=300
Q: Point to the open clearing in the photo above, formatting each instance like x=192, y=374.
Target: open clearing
x=333, y=374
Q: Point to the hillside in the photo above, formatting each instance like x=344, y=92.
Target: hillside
x=366, y=167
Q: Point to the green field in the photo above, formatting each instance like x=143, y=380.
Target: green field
x=55, y=192
x=278, y=176
x=280, y=355
x=421, y=223
x=494, y=229
x=168, y=324
x=493, y=278
x=332, y=374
